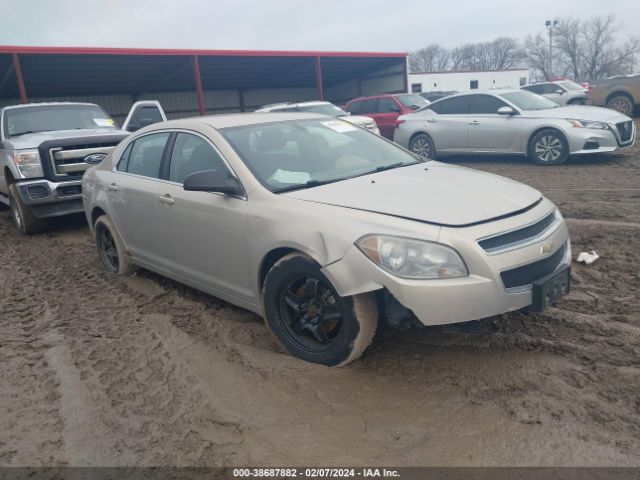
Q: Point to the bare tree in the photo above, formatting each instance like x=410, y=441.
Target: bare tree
x=536, y=54
x=432, y=58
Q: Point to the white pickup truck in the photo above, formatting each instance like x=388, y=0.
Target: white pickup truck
x=45, y=149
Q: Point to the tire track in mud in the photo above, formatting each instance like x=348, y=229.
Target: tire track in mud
x=165, y=375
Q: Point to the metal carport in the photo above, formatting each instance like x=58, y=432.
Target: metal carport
x=192, y=82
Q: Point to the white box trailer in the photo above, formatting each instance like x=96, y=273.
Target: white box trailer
x=467, y=81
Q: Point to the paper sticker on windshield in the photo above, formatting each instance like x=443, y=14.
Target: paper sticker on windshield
x=340, y=126
x=103, y=122
x=294, y=178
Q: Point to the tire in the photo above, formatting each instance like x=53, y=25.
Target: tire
x=110, y=247
x=548, y=147
x=310, y=320
x=621, y=103
x=26, y=222
x=422, y=145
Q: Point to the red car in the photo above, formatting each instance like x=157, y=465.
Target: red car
x=386, y=108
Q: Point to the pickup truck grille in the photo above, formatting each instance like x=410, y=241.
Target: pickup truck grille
x=527, y=274
x=517, y=237
x=70, y=160
x=625, y=130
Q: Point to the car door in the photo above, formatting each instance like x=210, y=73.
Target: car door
x=203, y=234
x=132, y=191
x=488, y=131
x=387, y=116
x=143, y=113
x=556, y=92
x=448, y=128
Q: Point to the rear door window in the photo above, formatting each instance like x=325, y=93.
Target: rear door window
x=370, y=106
x=388, y=105
x=146, y=155
x=355, y=107
x=452, y=106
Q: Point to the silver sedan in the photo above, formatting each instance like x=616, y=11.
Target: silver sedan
x=323, y=228
x=514, y=122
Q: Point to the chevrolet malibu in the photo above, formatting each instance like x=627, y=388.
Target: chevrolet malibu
x=513, y=122
x=323, y=228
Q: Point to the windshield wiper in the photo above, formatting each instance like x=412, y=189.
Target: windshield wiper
x=309, y=184
x=28, y=131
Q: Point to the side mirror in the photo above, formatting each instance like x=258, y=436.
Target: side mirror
x=560, y=92
x=213, y=181
x=415, y=107
x=506, y=111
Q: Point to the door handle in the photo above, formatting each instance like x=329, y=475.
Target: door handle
x=431, y=120
x=166, y=199
x=112, y=187
x=475, y=122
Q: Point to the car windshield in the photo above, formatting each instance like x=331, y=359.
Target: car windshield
x=526, y=100
x=569, y=85
x=18, y=121
x=301, y=154
x=412, y=100
x=324, y=109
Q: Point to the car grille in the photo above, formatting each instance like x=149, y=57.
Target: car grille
x=499, y=242
x=71, y=160
x=527, y=274
x=625, y=130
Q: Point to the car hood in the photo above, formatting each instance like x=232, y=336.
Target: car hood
x=357, y=119
x=580, y=112
x=33, y=140
x=430, y=192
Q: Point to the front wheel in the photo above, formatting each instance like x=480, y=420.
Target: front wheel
x=26, y=222
x=548, y=147
x=308, y=317
x=422, y=145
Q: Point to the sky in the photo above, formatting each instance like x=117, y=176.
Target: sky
x=336, y=25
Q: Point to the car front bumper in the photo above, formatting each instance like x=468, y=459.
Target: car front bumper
x=584, y=141
x=51, y=199
x=481, y=294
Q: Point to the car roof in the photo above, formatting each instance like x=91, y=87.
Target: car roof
x=297, y=104
x=227, y=120
x=380, y=95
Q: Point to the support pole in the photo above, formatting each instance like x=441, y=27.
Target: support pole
x=20, y=79
x=319, y=78
x=198, y=81
x=405, y=74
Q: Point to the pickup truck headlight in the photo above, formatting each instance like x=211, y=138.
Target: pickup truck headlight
x=588, y=124
x=28, y=163
x=409, y=258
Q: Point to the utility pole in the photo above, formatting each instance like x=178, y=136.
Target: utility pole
x=550, y=25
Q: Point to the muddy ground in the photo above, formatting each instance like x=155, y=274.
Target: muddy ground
x=100, y=370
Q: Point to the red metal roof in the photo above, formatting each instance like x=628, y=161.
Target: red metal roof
x=175, y=51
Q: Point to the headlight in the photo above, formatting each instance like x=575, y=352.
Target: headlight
x=588, y=124
x=410, y=258
x=28, y=162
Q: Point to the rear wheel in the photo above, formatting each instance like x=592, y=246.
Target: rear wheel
x=621, y=103
x=110, y=248
x=422, y=145
x=548, y=147
x=308, y=317
x=26, y=222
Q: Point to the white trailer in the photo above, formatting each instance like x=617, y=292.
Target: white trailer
x=468, y=81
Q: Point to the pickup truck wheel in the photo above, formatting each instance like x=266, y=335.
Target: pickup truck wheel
x=621, y=103
x=26, y=222
x=110, y=248
x=310, y=320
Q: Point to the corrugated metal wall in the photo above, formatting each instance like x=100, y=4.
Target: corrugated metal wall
x=185, y=104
